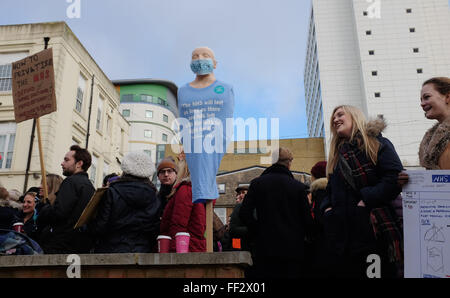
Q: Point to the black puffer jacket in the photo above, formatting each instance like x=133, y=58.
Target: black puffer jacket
x=128, y=217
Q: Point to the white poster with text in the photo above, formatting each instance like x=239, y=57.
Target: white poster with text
x=426, y=222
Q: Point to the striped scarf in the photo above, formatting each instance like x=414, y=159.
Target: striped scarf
x=358, y=171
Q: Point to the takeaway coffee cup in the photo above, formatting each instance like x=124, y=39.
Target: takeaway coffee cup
x=182, y=242
x=163, y=243
x=18, y=227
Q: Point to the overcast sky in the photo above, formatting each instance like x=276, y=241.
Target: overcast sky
x=259, y=45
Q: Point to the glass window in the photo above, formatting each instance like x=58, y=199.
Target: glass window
x=377, y=94
x=419, y=70
x=371, y=52
x=80, y=93
x=416, y=50
x=98, y=124
x=164, y=137
x=147, y=133
x=165, y=118
x=160, y=151
x=5, y=68
x=93, y=173
x=127, y=98
x=148, y=114
x=221, y=187
x=222, y=214
x=5, y=77
x=408, y=10
x=7, y=139
x=126, y=113
x=105, y=170
x=368, y=32
x=146, y=98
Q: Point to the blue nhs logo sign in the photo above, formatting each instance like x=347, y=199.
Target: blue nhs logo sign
x=440, y=178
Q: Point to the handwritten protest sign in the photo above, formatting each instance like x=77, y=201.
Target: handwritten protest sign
x=33, y=86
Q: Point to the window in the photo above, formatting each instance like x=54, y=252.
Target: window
x=98, y=124
x=109, y=125
x=380, y=116
x=93, y=173
x=105, y=170
x=368, y=32
x=374, y=73
x=371, y=52
x=80, y=93
x=364, y=13
x=222, y=214
x=7, y=138
x=148, y=114
x=127, y=98
x=5, y=68
x=122, y=140
x=165, y=118
x=377, y=94
x=412, y=30
x=146, y=98
x=164, y=137
x=147, y=133
x=126, y=112
x=419, y=70
x=221, y=187
x=160, y=151
x=5, y=77
x=408, y=10
x=416, y=50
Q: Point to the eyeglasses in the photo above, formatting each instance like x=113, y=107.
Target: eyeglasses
x=168, y=171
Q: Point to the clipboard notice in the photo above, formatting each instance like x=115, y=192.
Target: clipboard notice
x=91, y=207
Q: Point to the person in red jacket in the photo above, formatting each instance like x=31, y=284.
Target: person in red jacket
x=181, y=215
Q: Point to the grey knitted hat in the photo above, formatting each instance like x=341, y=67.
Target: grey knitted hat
x=138, y=164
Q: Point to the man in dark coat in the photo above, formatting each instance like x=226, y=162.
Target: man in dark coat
x=128, y=216
x=238, y=230
x=71, y=199
x=281, y=223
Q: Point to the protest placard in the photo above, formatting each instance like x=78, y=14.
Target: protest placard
x=33, y=86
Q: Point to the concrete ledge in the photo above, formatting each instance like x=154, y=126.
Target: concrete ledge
x=223, y=264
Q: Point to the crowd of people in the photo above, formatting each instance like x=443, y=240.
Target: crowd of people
x=325, y=229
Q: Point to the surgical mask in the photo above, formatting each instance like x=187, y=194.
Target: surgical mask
x=202, y=66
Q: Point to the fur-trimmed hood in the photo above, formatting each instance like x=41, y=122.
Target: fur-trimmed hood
x=375, y=127
x=433, y=144
x=319, y=184
x=9, y=203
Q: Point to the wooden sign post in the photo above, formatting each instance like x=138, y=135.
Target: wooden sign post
x=209, y=226
x=33, y=89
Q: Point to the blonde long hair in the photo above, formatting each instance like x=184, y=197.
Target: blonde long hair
x=183, y=174
x=369, y=144
x=53, y=183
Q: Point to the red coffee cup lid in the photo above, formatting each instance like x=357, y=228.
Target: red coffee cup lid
x=163, y=237
x=182, y=234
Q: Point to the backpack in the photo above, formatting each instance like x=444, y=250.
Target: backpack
x=15, y=243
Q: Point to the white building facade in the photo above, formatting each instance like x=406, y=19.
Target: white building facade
x=376, y=56
x=87, y=109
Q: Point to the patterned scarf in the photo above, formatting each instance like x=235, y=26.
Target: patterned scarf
x=358, y=171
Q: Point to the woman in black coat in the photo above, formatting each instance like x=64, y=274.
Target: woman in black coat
x=362, y=174
x=128, y=217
